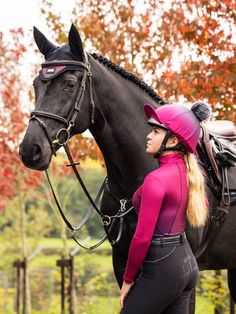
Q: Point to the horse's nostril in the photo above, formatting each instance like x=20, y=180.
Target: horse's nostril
x=36, y=153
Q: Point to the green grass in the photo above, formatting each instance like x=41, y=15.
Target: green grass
x=98, y=292
x=100, y=305
x=55, y=243
x=110, y=305
x=102, y=262
x=101, y=257
x=50, y=243
x=203, y=306
x=44, y=260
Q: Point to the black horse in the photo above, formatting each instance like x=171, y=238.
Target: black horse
x=98, y=95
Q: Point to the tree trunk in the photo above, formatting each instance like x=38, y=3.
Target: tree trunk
x=218, y=308
x=26, y=287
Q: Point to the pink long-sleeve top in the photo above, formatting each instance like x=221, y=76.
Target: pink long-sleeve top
x=160, y=203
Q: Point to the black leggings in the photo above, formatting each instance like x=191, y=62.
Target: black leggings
x=164, y=285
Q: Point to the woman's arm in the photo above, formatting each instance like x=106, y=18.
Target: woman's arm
x=152, y=198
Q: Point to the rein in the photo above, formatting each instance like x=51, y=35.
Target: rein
x=48, y=72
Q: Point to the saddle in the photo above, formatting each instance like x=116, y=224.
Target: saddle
x=217, y=152
x=217, y=146
x=222, y=128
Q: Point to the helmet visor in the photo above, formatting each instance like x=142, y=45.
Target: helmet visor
x=152, y=122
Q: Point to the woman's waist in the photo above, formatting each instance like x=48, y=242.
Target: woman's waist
x=168, y=240
x=170, y=225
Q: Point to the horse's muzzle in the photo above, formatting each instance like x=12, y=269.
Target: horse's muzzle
x=34, y=158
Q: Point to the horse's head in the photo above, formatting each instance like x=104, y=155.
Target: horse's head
x=64, y=100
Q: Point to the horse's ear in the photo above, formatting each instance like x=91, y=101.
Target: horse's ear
x=75, y=42
x=44, y=45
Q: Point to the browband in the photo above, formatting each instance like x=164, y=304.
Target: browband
x=51, y=69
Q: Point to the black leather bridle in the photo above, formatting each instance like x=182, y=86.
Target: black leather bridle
x=70, y=121
x=107, y=221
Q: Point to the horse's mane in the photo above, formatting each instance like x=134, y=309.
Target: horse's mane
x=129, y=76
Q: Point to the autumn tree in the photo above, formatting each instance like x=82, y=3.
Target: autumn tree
x=15, y=182
x=12, y=119
x=22, y=218
x=20, y=187
x=203, y=34
x=182, y=48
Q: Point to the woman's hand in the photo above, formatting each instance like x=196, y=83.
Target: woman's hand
x=124, y=291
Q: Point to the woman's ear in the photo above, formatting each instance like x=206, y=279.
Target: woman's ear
x=172, y=141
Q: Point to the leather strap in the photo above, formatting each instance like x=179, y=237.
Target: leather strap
x=44, y=127
x=108, y=222
x=69, y=122
x=73, y=165
x=163, y=144
x=207, y=143
x=180, y=238
x=48, y=115
x=62, y=137
x=217, y=219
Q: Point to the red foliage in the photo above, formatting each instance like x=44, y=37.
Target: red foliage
x=146, y=40
x=14, y=177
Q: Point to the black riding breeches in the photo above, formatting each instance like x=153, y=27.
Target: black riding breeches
x=164, y=285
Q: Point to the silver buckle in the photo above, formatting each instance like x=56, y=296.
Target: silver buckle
x=67, y=131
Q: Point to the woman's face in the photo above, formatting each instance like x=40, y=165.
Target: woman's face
x=155, y=139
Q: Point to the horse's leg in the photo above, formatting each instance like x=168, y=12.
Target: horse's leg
x=192, y=302
x=119, y=262
x=120, y=251
x=232, y=283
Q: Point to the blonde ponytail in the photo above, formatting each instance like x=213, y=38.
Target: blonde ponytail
x=197, y=209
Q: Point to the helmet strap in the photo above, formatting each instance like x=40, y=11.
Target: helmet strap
x=179, y=147
x=163, y=145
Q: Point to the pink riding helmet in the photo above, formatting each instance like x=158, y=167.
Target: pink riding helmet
x=183, y=122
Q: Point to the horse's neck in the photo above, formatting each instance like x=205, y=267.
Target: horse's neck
x=120, y=131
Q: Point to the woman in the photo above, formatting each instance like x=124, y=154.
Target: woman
x=169, y=195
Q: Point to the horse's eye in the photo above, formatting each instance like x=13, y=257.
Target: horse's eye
x=71, y=84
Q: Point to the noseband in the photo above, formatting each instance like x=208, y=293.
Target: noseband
x=51, y=69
